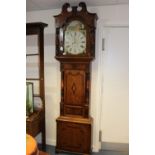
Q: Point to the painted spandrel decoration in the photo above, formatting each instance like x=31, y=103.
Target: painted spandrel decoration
x=75, y=38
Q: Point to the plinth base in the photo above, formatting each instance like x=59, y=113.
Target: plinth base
x=74, y=135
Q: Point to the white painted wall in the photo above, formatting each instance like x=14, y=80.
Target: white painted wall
x=108, y=15
x=114, y=120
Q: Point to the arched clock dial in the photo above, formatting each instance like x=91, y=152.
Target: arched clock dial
x=75, y=38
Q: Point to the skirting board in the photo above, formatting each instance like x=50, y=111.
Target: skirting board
x=104, y=145
x=48, y=140
x=51, y=142
x=115, y=146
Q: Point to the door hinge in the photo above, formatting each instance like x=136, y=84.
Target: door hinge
x=100, y=135
x=103, y=42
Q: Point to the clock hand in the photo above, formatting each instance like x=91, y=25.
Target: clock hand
x=75, y=38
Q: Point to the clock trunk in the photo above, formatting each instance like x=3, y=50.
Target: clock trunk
x=75, y=89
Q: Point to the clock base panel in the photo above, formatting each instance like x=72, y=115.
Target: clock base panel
x=74, y=135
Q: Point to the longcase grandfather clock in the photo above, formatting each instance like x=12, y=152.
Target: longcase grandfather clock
x=75, y=49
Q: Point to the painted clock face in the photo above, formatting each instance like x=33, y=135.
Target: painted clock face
x=75, y=38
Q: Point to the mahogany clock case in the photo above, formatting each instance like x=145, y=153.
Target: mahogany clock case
x=74, y=125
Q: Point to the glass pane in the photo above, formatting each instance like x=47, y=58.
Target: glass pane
x=32, y=44
x=32, y=66
x=35, y=86
x=29, y=98
x=75, y=38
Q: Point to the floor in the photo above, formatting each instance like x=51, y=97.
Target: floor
x=51, y=151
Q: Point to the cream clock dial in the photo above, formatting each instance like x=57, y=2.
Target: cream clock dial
x=75, y=39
